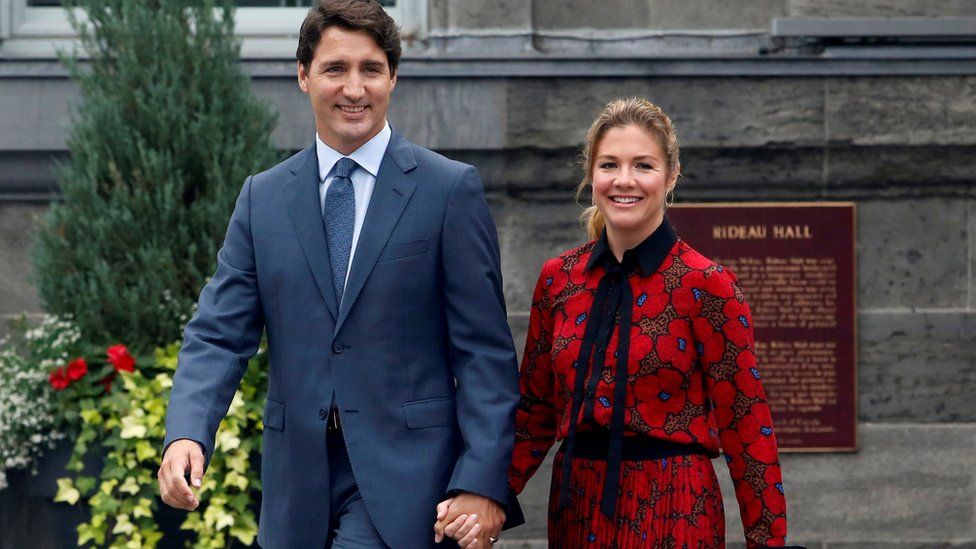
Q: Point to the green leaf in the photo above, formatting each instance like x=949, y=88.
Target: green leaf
x=67, y=492
x=131, y=428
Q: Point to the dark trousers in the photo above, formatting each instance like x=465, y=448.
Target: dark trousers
x=350, y=526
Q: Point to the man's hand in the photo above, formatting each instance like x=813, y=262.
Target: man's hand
x=182, y=455
x=470, y=519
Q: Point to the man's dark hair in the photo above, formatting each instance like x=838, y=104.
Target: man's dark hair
x=364, y=15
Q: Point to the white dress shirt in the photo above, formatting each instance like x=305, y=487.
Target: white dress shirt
x=368, y=158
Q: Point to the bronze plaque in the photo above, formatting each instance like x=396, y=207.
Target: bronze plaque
x=795, y=264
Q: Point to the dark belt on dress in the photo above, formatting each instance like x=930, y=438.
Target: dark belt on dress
x=593, y=445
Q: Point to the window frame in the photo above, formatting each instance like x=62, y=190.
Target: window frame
x=265, y=32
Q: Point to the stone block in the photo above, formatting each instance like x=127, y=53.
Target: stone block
x=437, y=17
x=705, y=14
x=29, y=172
x=972, y=255
x=450, y=113
x=531, y=230
x=908, y=483
x=916, y=367
x=579, y=14
x=707, y=112
x=34, y=114
x=958, y=544
x=881, y=8
x=894, y=170
x=909, y=110
x=499, y=14
x=17, y=222
x=295, y=129
x=765, y=173
x=913, y=253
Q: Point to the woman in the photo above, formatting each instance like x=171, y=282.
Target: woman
x=639, y=357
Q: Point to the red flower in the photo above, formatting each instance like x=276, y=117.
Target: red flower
x=738, y=327
x=59, y=379
x=723, y=395
x=689, y=295
x=120, y=358
x=650, y=298
x=747, y=378
x=709, y=344
x=677, y=346
x=77, y=369
x=658, y=395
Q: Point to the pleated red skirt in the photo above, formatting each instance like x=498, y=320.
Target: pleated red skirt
x=663, y=503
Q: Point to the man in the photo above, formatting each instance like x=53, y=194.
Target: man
x=372, y=264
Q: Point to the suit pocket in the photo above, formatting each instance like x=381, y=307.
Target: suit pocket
x=433, y=412
x=274, y=415
x=399, y=250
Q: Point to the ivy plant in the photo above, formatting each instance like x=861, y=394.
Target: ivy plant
x=126, y=428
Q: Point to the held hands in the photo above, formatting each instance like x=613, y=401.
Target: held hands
x=181, y=456
x=469, y=519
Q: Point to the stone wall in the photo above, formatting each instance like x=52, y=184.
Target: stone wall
x=900, y=145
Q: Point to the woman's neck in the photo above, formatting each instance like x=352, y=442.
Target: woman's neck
x=621, y=241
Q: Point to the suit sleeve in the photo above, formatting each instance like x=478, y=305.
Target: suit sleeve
x=481, y=351
x=535, y=418
x=742, y=415
x=220, y=339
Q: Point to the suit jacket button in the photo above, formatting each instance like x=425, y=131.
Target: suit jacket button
x=323, y=413
x=337, y=348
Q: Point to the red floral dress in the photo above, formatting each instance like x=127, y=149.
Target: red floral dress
x=691, y=379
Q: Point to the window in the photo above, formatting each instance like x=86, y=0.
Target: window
x=36, y=28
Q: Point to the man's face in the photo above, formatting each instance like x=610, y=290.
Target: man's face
x=349, y=84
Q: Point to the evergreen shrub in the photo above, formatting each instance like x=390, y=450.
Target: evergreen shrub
x=166, y=131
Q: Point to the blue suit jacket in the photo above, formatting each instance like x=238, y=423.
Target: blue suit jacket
x=419, y=355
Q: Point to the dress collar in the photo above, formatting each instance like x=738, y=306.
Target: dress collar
x=648, y=255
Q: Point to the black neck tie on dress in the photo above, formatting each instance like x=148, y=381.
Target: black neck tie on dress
x=612, y=307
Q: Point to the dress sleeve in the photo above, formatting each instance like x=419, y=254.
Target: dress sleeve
x=741, y=413
x=535, y=417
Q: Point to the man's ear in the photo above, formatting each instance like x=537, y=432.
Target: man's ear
x=302, y=77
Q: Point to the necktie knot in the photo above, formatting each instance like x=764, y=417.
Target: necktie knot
x=344, y=167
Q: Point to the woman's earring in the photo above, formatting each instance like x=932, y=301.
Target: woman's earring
x=670, y=192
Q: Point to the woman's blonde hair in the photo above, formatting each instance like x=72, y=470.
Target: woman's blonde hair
x=635, y=111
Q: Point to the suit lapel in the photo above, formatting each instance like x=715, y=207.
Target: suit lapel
x=302, y=199
x=391, y=193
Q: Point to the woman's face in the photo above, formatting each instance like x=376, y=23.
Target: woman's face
x=630, y=180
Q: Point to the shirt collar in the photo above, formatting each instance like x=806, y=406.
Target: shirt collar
x=368, y=156
x=649, y=254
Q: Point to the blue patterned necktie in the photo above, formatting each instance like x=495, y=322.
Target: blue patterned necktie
x=340, y=218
